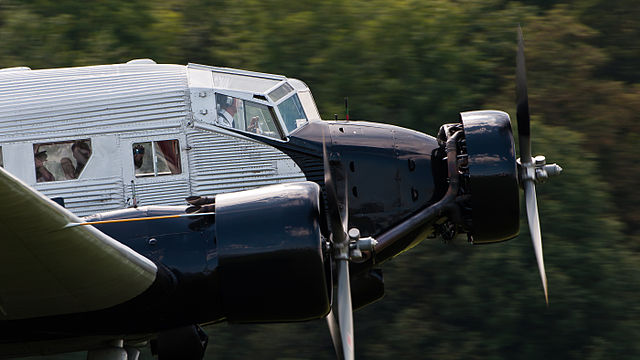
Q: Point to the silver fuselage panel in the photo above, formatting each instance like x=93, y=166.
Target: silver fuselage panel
x=170, y=110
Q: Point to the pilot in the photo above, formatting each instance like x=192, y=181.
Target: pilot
x=254, y=125
x=227, y=108
x=42, y=173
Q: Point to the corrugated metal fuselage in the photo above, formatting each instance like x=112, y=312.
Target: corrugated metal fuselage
x=115, y=107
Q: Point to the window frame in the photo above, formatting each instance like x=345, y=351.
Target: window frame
x=274, y=116
x=69, y=142
x=249, y=97
x=154, y=158
x=282, y=100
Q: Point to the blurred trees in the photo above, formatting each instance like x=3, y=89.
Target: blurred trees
x=44, y=33
x=418, y=63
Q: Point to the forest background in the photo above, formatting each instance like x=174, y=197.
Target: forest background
x=418, y=64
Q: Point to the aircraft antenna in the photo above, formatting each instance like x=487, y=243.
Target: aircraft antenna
x=346, y=106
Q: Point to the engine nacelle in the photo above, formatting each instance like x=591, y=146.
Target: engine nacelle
x=270, y=252
x=493, y=176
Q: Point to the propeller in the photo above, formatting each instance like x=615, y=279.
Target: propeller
x=531, y=170
x=345, y=245
x=341, y=327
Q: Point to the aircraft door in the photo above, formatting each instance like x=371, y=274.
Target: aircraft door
x=155, y=170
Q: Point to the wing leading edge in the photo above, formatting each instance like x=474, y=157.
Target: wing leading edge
x=47, y=269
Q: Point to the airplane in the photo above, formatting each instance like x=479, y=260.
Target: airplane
x=302, y=243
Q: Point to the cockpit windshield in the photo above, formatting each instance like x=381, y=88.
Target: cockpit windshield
x=247, y=116
x=292, y=113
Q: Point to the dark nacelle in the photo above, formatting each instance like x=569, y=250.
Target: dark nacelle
x=270, y=253
x=493, y=176
x=391, y=172
x=388, y=169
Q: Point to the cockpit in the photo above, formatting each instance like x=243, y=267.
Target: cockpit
x=259, y=103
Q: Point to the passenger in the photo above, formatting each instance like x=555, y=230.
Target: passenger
x=68, y=168
x=42, y=173
x=81, y=152
x=227, y=109
x=143, y=163
x=138, y=156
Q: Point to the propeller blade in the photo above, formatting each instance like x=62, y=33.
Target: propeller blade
x=341, y=328
x=345, y=310
x=344, y=214
x=534, y=229
x=335, y=216
x=334, y=330
x=522, y=101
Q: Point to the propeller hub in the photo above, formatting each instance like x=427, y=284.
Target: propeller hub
x=537, y=170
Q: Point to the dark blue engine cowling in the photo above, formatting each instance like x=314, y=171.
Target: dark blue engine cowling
x=388, y=169
x=270, y=252
x=493, y=176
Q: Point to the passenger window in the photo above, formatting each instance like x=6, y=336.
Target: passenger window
x=157, y=158
x=246, y=115
x=292, y=113
x=63, y=160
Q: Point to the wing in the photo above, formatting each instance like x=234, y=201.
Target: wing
x=47, y=269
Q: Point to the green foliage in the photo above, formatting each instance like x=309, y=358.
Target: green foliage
x=417, y=64
x=69, y=33
x=618, y=26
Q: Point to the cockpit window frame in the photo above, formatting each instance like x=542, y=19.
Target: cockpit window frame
x=256, y=98
x=285, y=88
x=281, y=117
